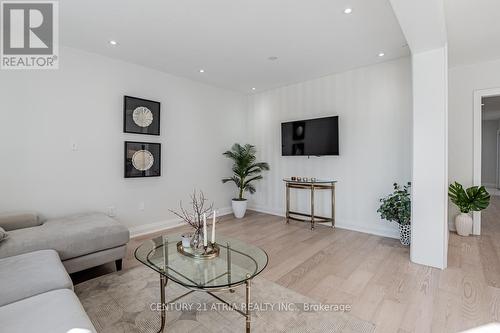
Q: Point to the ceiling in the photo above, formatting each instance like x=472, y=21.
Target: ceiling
x=232, y=40
x=473, y=30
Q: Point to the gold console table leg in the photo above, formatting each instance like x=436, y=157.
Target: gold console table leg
x=287, y=204
x=311, y=217
x=333, y=206
x=312, y=207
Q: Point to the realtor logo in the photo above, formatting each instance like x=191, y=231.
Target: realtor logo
x=30, y=35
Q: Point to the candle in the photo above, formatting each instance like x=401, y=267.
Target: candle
x=205, y=239
x=213, y=229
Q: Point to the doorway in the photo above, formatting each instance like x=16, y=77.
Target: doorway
x=486, y=145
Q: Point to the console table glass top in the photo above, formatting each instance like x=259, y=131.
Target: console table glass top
x=236, y=263
x=317, y=181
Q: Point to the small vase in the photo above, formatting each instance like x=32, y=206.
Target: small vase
x=405, y=234
x=463, y=223
x=197, y=239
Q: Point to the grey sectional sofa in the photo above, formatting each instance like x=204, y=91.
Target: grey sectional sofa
x=37, y=296
x=82, y=241
x=36, y=292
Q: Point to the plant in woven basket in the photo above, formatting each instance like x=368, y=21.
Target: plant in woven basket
x=397, y=205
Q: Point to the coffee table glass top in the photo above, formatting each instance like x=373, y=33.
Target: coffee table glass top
x=236, y=263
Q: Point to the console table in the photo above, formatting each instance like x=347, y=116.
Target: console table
x=312, y=186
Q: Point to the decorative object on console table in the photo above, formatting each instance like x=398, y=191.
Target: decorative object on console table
x=197, y=220
x=396, y=207
x=141, y=116
x=245, y=171
x=302, y=183
x=142, y=159
x=473, y=199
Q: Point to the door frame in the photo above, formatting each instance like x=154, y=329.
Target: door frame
x=478, y=96
x=497, y=184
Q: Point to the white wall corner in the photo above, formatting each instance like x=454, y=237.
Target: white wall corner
x=424, y=26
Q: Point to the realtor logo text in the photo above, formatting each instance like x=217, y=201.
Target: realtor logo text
x=30, y=35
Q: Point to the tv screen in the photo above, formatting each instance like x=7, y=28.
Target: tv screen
x=311, y=137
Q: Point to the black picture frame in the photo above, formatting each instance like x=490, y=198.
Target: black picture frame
x=130, y=147
x=130, y=103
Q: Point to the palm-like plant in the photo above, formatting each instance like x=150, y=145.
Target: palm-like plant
x=246, y=170
x=475, y=198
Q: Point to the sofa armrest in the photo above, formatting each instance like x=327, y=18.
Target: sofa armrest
x=19, y=220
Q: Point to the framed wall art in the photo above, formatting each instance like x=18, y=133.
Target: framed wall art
x=141, y=116
x=142, y=159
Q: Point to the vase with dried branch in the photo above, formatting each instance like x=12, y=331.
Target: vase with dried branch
x=194, y=217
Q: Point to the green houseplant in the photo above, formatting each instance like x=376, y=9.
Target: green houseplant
x=472, y=199
x=246, y=170
x=396, y=207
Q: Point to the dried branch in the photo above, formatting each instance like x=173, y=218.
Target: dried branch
x=198, y=202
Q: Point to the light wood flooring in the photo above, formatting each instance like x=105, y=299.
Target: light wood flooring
x=374, y=273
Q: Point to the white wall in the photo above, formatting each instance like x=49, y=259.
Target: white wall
x=489, y=153
x=44, y=112
x=463, y=81
x=374, y=108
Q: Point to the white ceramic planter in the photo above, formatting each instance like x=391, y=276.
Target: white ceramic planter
x=239, y=208
x=463, y=223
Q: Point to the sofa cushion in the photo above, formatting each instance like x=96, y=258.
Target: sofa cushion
x=71, y=236
x=57, y=311
x=19, y=220
x=30, y=274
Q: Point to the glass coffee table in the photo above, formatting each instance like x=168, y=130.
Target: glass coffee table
x=236, y=265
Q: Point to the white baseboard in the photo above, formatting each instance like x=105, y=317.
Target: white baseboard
x=391, y=233
x=149, y=228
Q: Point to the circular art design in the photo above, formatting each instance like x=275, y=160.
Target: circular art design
x=142, y=160
x=142, y=116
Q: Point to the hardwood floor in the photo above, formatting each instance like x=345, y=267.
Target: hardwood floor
x=373, y=273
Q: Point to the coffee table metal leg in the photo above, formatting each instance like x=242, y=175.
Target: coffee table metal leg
x=163, y=285
x=247, y=310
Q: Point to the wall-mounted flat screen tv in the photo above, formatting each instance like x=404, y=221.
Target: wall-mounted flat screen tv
x=311, y=137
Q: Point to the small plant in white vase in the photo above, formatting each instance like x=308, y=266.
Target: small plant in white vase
x=473, y=199
x=245, y=171
x=396, y=207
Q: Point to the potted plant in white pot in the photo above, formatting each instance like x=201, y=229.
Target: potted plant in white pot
x=245, y=171
x=396, y=207
x=473, y=199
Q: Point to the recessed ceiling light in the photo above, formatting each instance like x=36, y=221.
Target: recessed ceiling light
x=273, y=58
x=113, y=42
x=253, y=88
x=381, y=54
x=348, y=11
x=202, y=71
